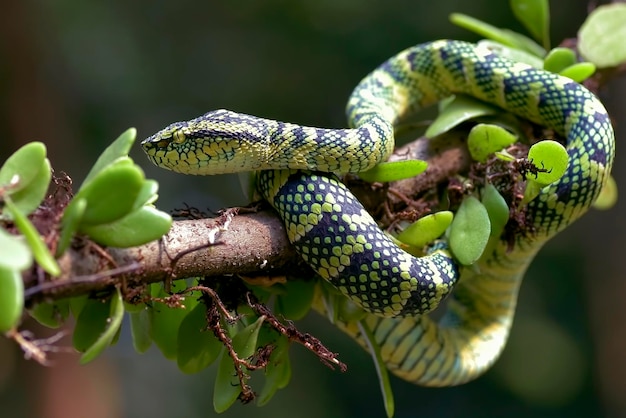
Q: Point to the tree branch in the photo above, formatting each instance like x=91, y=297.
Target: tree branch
x=231, y=244
x=254, y=243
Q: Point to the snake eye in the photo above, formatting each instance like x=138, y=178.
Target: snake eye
x=163, y=143
x=179, y=137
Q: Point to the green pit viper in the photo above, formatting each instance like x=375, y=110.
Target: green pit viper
x=343, y=244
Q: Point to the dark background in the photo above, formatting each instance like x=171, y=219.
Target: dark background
x=75, y=74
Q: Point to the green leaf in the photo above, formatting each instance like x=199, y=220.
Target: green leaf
x=11, y=299
x=601, y=36
x=426, y=229
x=470, y=230
x=198, y=347
x=123, y=180
x=277, y=371
x=514, y=54
x=135, y=307
x=503, y=36
x=72, y=216
x=227, y=386
x=497, y=209
x=460, y=109
x=559, y=59
x=77, y=304
x=141, y=328
x=148, y=194
x=381, y=368
x=386, y=172
x=139, y=227
x=485, y=139
x=35, y=242
x=14, y=254
x=51, y=314
x=297, y=300
x=551, y=158
x=482, y=28
x=119, y=148
x=245, y=340
x=608, y=195
x=28, y=198
x=579, y=72
x=535, y=16
x=166, y=321
x=24, y=163
x=97, y=325
x=524, y=43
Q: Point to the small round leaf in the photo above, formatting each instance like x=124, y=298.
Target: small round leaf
x=460, y=109
x=111, y=194
x=148, y=193
x=277, y=371
x=25, y=163
x=166, y=321
x=139, y=227
x=198, y=347
x=11, y=299
x=559, y=59
x=14, y=253
x=550, y=159
x=27, y=199
x=426, y=229
x=497, y=209
x=579, y=72
x=485, y=139
x=601, y=36
x=51, y=314
x=297, y=300
x=96, y=325
x=227, y=386
x=141, y=328
x=470, y=230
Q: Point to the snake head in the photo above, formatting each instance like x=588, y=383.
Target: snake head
x=217, y=142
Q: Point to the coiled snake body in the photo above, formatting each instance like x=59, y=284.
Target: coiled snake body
x=343, y=244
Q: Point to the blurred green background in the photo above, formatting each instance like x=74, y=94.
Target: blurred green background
x=75, y=74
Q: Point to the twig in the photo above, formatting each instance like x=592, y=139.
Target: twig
x=305, y=339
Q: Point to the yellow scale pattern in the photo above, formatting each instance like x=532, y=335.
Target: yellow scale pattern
x=343, y=244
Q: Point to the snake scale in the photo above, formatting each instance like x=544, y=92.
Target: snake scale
x=336, y=236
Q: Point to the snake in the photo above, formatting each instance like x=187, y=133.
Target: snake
x=298, y=168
